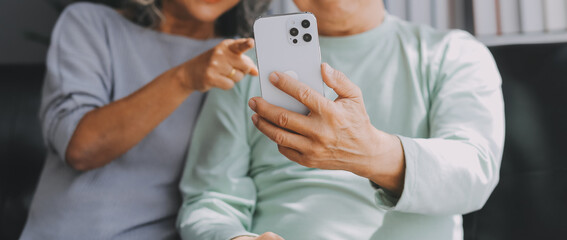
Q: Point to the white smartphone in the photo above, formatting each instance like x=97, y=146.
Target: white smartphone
x=290, y=44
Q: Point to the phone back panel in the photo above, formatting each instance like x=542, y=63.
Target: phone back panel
x=277, y=51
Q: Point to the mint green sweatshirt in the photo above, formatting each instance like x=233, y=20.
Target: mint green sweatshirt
x=439, y=91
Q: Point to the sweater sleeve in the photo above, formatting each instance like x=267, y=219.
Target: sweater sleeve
x=455, y=170
x=219, y=196
x=77, y=77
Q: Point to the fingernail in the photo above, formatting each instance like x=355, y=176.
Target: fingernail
x=328, y=68
x=252, y=104
x=255, y=119
x=274, y=78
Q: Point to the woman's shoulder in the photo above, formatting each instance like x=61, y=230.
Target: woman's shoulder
x=85, y=7
x=88, y=10
x=83, y=29
x=90, y=15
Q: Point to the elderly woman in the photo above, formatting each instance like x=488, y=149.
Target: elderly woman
x=415, y=111
x=122, y=91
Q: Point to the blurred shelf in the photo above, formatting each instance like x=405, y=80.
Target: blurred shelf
x=527, y=38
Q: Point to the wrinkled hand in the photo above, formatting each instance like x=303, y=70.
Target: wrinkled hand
x=221, y=67
x=265, y=236
x=336, y=135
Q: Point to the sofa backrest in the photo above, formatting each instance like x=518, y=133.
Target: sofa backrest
x=530, y=202
x=22, y=151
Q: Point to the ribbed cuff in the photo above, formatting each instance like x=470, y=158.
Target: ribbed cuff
x=64, y=129
x=385, y=199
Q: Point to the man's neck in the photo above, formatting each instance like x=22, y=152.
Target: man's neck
x=179, y=22
x=351, y=23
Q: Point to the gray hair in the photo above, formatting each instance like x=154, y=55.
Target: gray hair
x=143, y=12
x=236, y=22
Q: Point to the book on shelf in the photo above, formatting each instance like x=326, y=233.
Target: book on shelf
x=457, y=13
x=509, y=16
x=531, y=16
x=420, y=11
x=485, y=17
x=397, y=8
x=441, y=13
x=554, y=15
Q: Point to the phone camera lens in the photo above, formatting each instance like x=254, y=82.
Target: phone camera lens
x=294, y=32
x=307, y=37
x=294, y=41
x=305, y=23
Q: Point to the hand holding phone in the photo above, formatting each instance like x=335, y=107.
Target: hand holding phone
x=290, y=44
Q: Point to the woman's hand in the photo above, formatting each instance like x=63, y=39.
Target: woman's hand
x=265, y=236
x=221, y=67
x=335, y=135
x=108, y=132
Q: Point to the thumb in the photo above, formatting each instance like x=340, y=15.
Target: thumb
x=240, y=46
x=339, y=82
x=269, y=236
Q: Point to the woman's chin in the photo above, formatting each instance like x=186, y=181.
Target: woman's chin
x=204, y=17
x=208, y=13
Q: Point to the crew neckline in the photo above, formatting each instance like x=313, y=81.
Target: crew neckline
x=364, y=38
x=165, y=36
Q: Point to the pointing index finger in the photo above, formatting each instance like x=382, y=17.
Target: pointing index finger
x=240, y=46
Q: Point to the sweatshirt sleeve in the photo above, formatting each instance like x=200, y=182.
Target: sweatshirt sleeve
x=219, y=197
x=455, y=170
x=77, y=77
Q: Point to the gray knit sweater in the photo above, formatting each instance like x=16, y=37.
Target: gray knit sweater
x=96, y=57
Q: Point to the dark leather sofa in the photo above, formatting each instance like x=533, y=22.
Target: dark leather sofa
x=529, y=203
x=22, y=151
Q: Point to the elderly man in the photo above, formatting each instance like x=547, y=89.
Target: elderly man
x=409, y=137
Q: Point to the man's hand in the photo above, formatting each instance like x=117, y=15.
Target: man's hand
x=265, y=236
x=336, y=135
